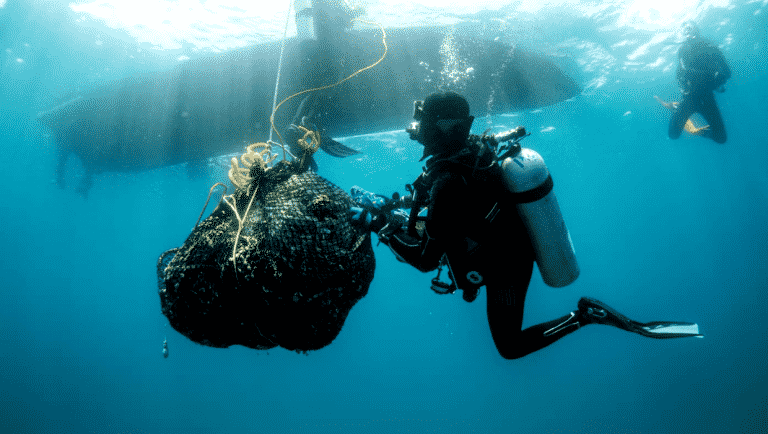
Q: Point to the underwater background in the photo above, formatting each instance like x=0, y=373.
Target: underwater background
x=663, y=230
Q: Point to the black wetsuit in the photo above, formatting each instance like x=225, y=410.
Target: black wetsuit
x=473, y=220
x=701, y=70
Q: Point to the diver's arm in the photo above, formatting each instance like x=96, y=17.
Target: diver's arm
x=447, y=212
x=421, y=252
x=726, y=69
x=683, y=57
x=723, y=71
x=424, y=253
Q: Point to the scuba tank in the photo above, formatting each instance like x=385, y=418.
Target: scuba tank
x=528, y=178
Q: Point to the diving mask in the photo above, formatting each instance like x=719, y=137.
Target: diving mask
x=414, y=127
x=415, y=130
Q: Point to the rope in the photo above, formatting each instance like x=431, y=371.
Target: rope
x=279, y=68
x=274, y=109
x=210, y=192
x=240, y=222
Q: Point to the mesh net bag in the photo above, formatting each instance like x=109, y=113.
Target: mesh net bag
x=288, y=277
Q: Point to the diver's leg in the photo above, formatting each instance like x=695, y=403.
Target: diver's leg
x=684, y=110
x=506, y=302
x=709, y=110
x=301, y=111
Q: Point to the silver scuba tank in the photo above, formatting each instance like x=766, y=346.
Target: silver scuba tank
x=527, y=176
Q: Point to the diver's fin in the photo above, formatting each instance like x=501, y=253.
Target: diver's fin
x=304, y=115
x=666, y=330
x=336, y=149
x=670, y=105
x=690, y=127
x=303, y=111
x=594, y=311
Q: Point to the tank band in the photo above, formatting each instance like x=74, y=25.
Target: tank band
x=534, y=194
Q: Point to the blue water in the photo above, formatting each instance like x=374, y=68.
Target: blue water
x=663, y=230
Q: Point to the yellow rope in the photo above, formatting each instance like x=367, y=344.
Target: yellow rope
x=240, y=176
x=308, y=149
x=386, y=49
x=240, y=222
x=210, y=192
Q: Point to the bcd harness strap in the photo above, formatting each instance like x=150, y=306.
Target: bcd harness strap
x=534, y=194
x=421, y=189
x=470, y=278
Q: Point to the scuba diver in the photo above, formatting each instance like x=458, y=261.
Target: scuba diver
x=321, y=27
x=701, y=70
x=488, y=222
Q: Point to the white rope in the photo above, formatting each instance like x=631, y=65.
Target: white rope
x=280, y=63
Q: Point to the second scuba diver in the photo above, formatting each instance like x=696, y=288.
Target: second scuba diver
x=701, y=70
x=479, y=225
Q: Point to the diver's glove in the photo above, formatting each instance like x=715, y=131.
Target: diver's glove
x=366, y=199
x=379, y=213
x=371, y=212
x=364, y=219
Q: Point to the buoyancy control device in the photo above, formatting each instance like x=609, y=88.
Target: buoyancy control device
x=528, y=179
